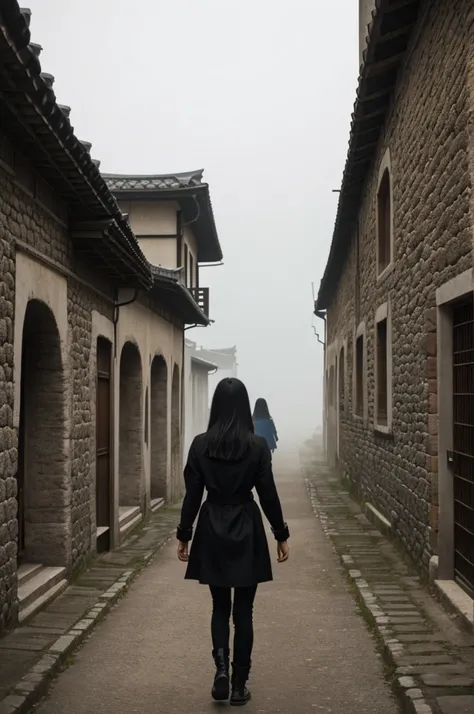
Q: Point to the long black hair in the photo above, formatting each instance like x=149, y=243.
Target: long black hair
x=230, y=431
x=261, y=410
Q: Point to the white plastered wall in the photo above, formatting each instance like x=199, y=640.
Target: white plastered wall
x=153, y=336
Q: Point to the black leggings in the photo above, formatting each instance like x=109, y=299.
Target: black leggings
x=242, y=613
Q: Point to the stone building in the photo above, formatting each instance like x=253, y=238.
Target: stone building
x=91, y=341
x=398, y=286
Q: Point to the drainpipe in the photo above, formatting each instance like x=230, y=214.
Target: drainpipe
x=117, y=306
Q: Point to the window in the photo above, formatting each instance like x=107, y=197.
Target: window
x=331, y=387
x=384, y=222
x=383, y=369
x=382, y=373
x=359, y=376
x=342, y=384
x=191, y=270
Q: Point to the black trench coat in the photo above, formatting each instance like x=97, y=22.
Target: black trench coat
x=230, y=546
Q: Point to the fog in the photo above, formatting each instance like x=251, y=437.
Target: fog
x=259, y=94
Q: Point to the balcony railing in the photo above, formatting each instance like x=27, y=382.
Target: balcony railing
x=201, y=296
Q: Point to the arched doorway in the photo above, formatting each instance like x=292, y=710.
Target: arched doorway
x=175, y=437
x=43, y=493
x=159, y=427
x=131, y=490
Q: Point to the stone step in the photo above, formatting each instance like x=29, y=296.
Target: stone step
x=129, y=518
x=39, y=589
x=27, y=571
x=102, y=539
x=127, y=514
x=156, y=504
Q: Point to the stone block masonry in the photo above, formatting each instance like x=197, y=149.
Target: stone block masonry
x=33, y=654
x=426, y=134
x=430, y=655
x=28, y=224
x=81, y=303
x=8, y=435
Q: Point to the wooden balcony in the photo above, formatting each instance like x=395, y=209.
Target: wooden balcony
x=201, y=296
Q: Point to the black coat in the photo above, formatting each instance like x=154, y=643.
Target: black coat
x=230, y=546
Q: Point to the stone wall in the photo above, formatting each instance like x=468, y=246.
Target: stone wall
x=8, y=436
x=427, y=136
x=32, y=219
x=81, y=303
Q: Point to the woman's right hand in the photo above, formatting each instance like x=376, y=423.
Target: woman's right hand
x=183, y=554
x=283, y=550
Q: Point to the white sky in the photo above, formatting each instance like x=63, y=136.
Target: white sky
x=258, y=93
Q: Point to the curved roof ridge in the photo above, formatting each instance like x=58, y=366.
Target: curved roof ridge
x=182, y=175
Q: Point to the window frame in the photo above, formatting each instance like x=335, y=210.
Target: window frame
x=331, y=386
x=342, y=391
x=385, y=168
x=383, y=314
x=360, y=332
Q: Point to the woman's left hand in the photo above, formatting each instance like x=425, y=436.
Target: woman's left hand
x=183, y=552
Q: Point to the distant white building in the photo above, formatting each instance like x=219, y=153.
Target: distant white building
x=196, y=394
x=226, y=361
x=203, y=369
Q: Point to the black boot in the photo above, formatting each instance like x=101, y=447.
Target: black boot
x=220, y=689
x=240, y=694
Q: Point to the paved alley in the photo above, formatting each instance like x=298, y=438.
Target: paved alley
x=312, y=653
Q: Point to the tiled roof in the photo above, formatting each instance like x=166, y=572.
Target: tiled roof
x=204, y=363
x=388, y=37
x=153, y=182
x=189, y=190
x=32, y=117
x=168, y=287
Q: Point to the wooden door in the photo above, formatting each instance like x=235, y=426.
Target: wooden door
x=463, y=443
x=103, y=444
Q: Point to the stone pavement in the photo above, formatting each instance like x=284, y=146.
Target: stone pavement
x=430, y=656
x=313, y=651
x=33, y=653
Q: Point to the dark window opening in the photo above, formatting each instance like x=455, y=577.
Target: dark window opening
x=384, y=214
x=342, y=385
x=360, y=376
x=331, y=387
x=382, y=376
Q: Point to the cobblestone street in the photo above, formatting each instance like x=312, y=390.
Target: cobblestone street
x=313, y=651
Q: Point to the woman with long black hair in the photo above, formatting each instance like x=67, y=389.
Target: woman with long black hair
x=264, y=425
x=230, y=548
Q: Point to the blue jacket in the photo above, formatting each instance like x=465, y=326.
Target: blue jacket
x=266, y=428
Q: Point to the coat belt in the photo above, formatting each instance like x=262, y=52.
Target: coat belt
x=236, y=500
